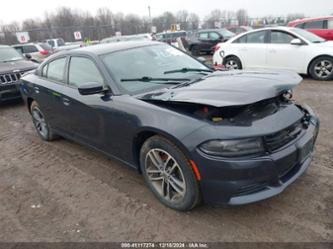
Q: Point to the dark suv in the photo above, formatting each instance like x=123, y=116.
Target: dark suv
x=205, y=40
x=12, y=66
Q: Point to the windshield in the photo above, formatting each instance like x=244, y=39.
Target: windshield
x=9, y=54
x=226, y=33
x=309, y=36
x=150, y=61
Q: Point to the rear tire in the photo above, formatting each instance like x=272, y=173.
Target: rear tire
x=168, y=174
x=42, y=127
x=322, y=68
x=233, y=63
x=195, y=51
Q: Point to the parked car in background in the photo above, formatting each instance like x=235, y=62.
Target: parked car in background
x=37, y=51
x=194, y=134
x=139, y=37
x=321, y=26
x=171, y=37
x=204, y=41
x=239, y=29
x=12, y=66
x=278, y=48
x=58, y=44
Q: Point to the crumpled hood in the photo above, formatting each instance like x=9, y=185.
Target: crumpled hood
x=21, y=65
x=230, y=88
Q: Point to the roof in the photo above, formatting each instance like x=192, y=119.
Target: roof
x=301, y=20
x=113, y=47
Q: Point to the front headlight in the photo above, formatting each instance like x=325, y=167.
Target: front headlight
x=233, y=148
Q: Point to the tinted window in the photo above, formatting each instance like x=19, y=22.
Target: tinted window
x=242, y=39
x=256, y=37
x=82, y=71
x=314, y=25
x=29, y=49
x=61, y=42
x=279, y=37
x=203, y=36
x=56, y=69
x=330, y=24
x=214, y=36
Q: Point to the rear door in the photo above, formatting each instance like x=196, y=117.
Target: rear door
x=50, y=94
x=252, y=49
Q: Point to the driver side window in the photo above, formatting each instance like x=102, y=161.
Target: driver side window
x=83, y=70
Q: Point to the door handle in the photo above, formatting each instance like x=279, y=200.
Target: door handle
x=66, y=101
x=36, y=89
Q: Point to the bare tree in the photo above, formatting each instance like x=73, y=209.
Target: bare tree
x=242, y=17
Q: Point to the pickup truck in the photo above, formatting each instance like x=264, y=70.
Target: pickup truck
x=58, y=44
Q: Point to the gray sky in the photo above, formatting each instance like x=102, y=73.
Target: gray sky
x=22, y=9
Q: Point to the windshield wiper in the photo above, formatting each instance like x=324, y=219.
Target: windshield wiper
x=186, y=69
x=151, y=79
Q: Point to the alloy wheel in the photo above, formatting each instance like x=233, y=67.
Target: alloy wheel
x=40, y=122
x=323, y=69
x=231, y=65
x=165, y=175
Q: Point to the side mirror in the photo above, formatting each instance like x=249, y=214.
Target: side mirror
x=91, y=88
x=296, y=42
x=28, y=56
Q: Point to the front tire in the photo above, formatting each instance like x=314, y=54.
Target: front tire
x=42, y=127
x=322, y=68
x=233, y=63
x=168, y=174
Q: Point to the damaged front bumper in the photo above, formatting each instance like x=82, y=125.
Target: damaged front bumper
x=243, y=181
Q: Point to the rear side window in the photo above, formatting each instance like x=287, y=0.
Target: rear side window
x=314, y=25
x=51, y=42
x=56, y=69
x=256, y=37
x=83, y=70
x=29, y=49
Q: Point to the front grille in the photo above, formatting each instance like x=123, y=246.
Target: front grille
x=281, y=138
x=10, y=78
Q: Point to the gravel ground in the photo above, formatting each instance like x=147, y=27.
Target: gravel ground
x=62, y=191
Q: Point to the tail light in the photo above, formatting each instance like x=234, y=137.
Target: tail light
x=44, y=52
x=216, y=48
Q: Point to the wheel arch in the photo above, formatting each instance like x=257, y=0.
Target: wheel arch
x=233, y=55
x=315, y=58
x=145, y=133
x=29, y=102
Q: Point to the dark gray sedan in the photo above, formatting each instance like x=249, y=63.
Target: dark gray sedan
x=194, y=134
